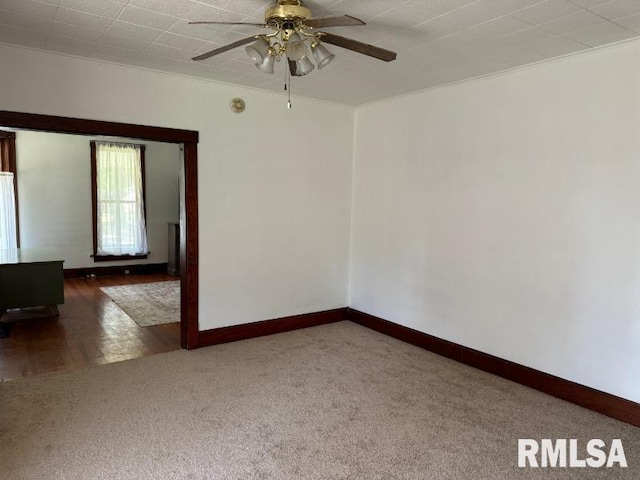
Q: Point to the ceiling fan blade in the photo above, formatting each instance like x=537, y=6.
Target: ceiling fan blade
x=360, y=47
x=220, y=50
x=228, y=23
x=344, y=21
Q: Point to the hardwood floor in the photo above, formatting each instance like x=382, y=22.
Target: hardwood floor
x=91, y=330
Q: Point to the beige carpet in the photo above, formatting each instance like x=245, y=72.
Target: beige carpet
x=331, y=402
x=148, y=303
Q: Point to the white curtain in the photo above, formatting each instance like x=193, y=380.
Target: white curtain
x=8, y=238
x=120, y=219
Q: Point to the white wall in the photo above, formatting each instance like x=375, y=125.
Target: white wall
x=504, y=214
x=54, y=184
x=274, y=184
x=501, y=214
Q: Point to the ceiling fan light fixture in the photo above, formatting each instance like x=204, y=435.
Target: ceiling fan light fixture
x=303, y=67
x=258, y=51
x=296, y=39
x=268, y=64
x=323, y=56
x=296, y=48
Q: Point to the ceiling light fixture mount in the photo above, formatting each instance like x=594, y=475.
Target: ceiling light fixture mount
x=284, y=10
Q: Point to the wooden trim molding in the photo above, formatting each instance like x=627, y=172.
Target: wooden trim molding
x=269, y=327
x=189, y=248
x=7, y=134
x=143, y=174
x=587, y=397
x=50, y=123
x=138, y=269
x=7, y=151
x=119, y=258
x=188, y=195
x=8, y=163
x=94, y=196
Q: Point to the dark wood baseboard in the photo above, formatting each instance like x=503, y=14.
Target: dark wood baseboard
x=587, y=397
x=138, y=269
x=269, y=327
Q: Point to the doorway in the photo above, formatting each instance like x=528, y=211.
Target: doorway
x=188, y=241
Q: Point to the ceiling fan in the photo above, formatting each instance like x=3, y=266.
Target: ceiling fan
x=295, y=36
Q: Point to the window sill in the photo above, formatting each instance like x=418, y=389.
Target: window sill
x=114, y=258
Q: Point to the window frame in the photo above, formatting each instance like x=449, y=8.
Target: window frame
x=8, y=164
x=94, y=205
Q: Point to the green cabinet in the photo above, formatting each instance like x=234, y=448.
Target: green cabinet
x=30, y=278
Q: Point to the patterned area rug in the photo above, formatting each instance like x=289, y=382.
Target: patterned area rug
x=148, y=303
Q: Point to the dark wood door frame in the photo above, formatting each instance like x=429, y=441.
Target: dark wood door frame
x=188, y=197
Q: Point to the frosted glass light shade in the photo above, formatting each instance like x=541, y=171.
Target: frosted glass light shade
x=258, y=51
x=267, y=66
x=304, y=67
x=322, y=55
x=296, y=48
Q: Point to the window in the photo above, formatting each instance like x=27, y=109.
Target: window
x=9, y=232
x=118, y=197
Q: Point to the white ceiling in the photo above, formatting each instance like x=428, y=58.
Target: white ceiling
x=438, y=41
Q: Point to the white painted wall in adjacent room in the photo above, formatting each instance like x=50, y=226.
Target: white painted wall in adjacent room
x=504, y=214
x=54, y=184
x=274, y=184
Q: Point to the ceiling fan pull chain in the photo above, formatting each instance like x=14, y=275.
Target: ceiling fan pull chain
x=287, y=85
x=286, y=77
